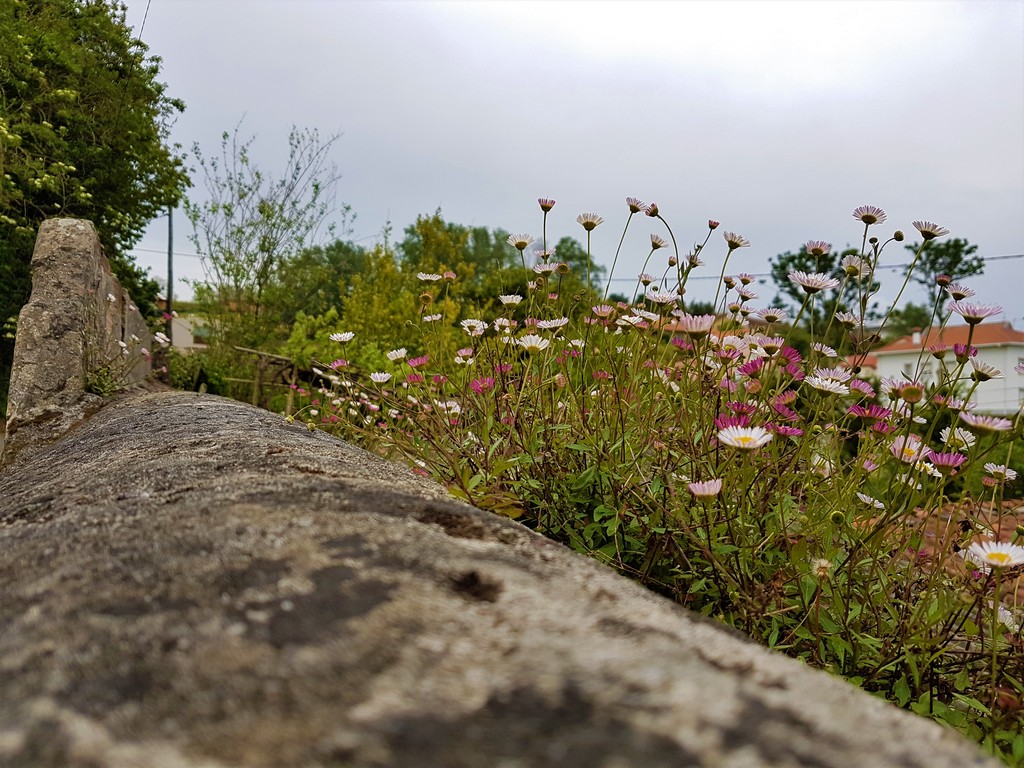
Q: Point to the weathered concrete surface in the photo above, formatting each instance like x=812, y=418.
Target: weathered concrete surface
x=69, y=328
x=188, y=581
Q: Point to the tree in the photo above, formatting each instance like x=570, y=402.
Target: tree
x=252, y=224
x=485, y=264
x=954, y=258
x=316, y=279
x=382, y=304
x=84, y=127
x=903, y=321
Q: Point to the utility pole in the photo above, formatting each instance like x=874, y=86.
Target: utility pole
x=170, y=274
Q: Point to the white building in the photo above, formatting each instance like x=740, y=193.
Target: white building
x=998, y=344
x=188, y=330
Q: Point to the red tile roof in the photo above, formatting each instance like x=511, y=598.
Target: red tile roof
x=868, y=361
x=985, y=335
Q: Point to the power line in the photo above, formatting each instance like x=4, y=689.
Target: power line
x=176, y=253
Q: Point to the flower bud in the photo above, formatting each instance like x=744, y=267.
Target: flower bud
x=712, y=224
x=943, y=280
x=873, y=240
x=912, y=393
x=837, y=518
x=897, y=236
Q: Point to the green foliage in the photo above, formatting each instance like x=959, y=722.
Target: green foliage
x=382, y=302
x=316, y=279
x=197, y=371
x=954, y=258
x=903, y=321
x=109, y=362
x=607, y=432
x=310, y=339
x=485, y=264
x=253, y=230
x=84, y=125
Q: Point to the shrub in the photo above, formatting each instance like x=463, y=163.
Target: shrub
x=780, y=492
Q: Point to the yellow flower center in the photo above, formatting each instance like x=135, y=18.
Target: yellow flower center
x=998, y=558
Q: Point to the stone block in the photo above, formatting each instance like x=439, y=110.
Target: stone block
x=69, y=329
x=188, y=581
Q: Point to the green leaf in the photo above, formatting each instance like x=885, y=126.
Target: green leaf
x=901, y=690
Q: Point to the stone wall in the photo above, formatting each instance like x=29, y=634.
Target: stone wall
x=188, y=581
x=71, y=330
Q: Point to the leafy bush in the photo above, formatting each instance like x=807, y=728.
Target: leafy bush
x=195, y=371
x=780, y=492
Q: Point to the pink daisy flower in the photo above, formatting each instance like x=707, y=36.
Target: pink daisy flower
x=930, y=231
x=695, y=326
x=974, y=313
x=869, y=214
x=960, y=292
x=520, y=242
x=706, y=488
x=772, y=315
x=983, y=423
x=735, y=241
x=983, y=371
x=813, y=283
x=946, y=463
x=908, y=449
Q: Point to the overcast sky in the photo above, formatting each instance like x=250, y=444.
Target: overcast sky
x=776, y=118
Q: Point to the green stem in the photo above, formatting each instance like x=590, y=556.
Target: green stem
x=721, y=277
x=611, y=272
